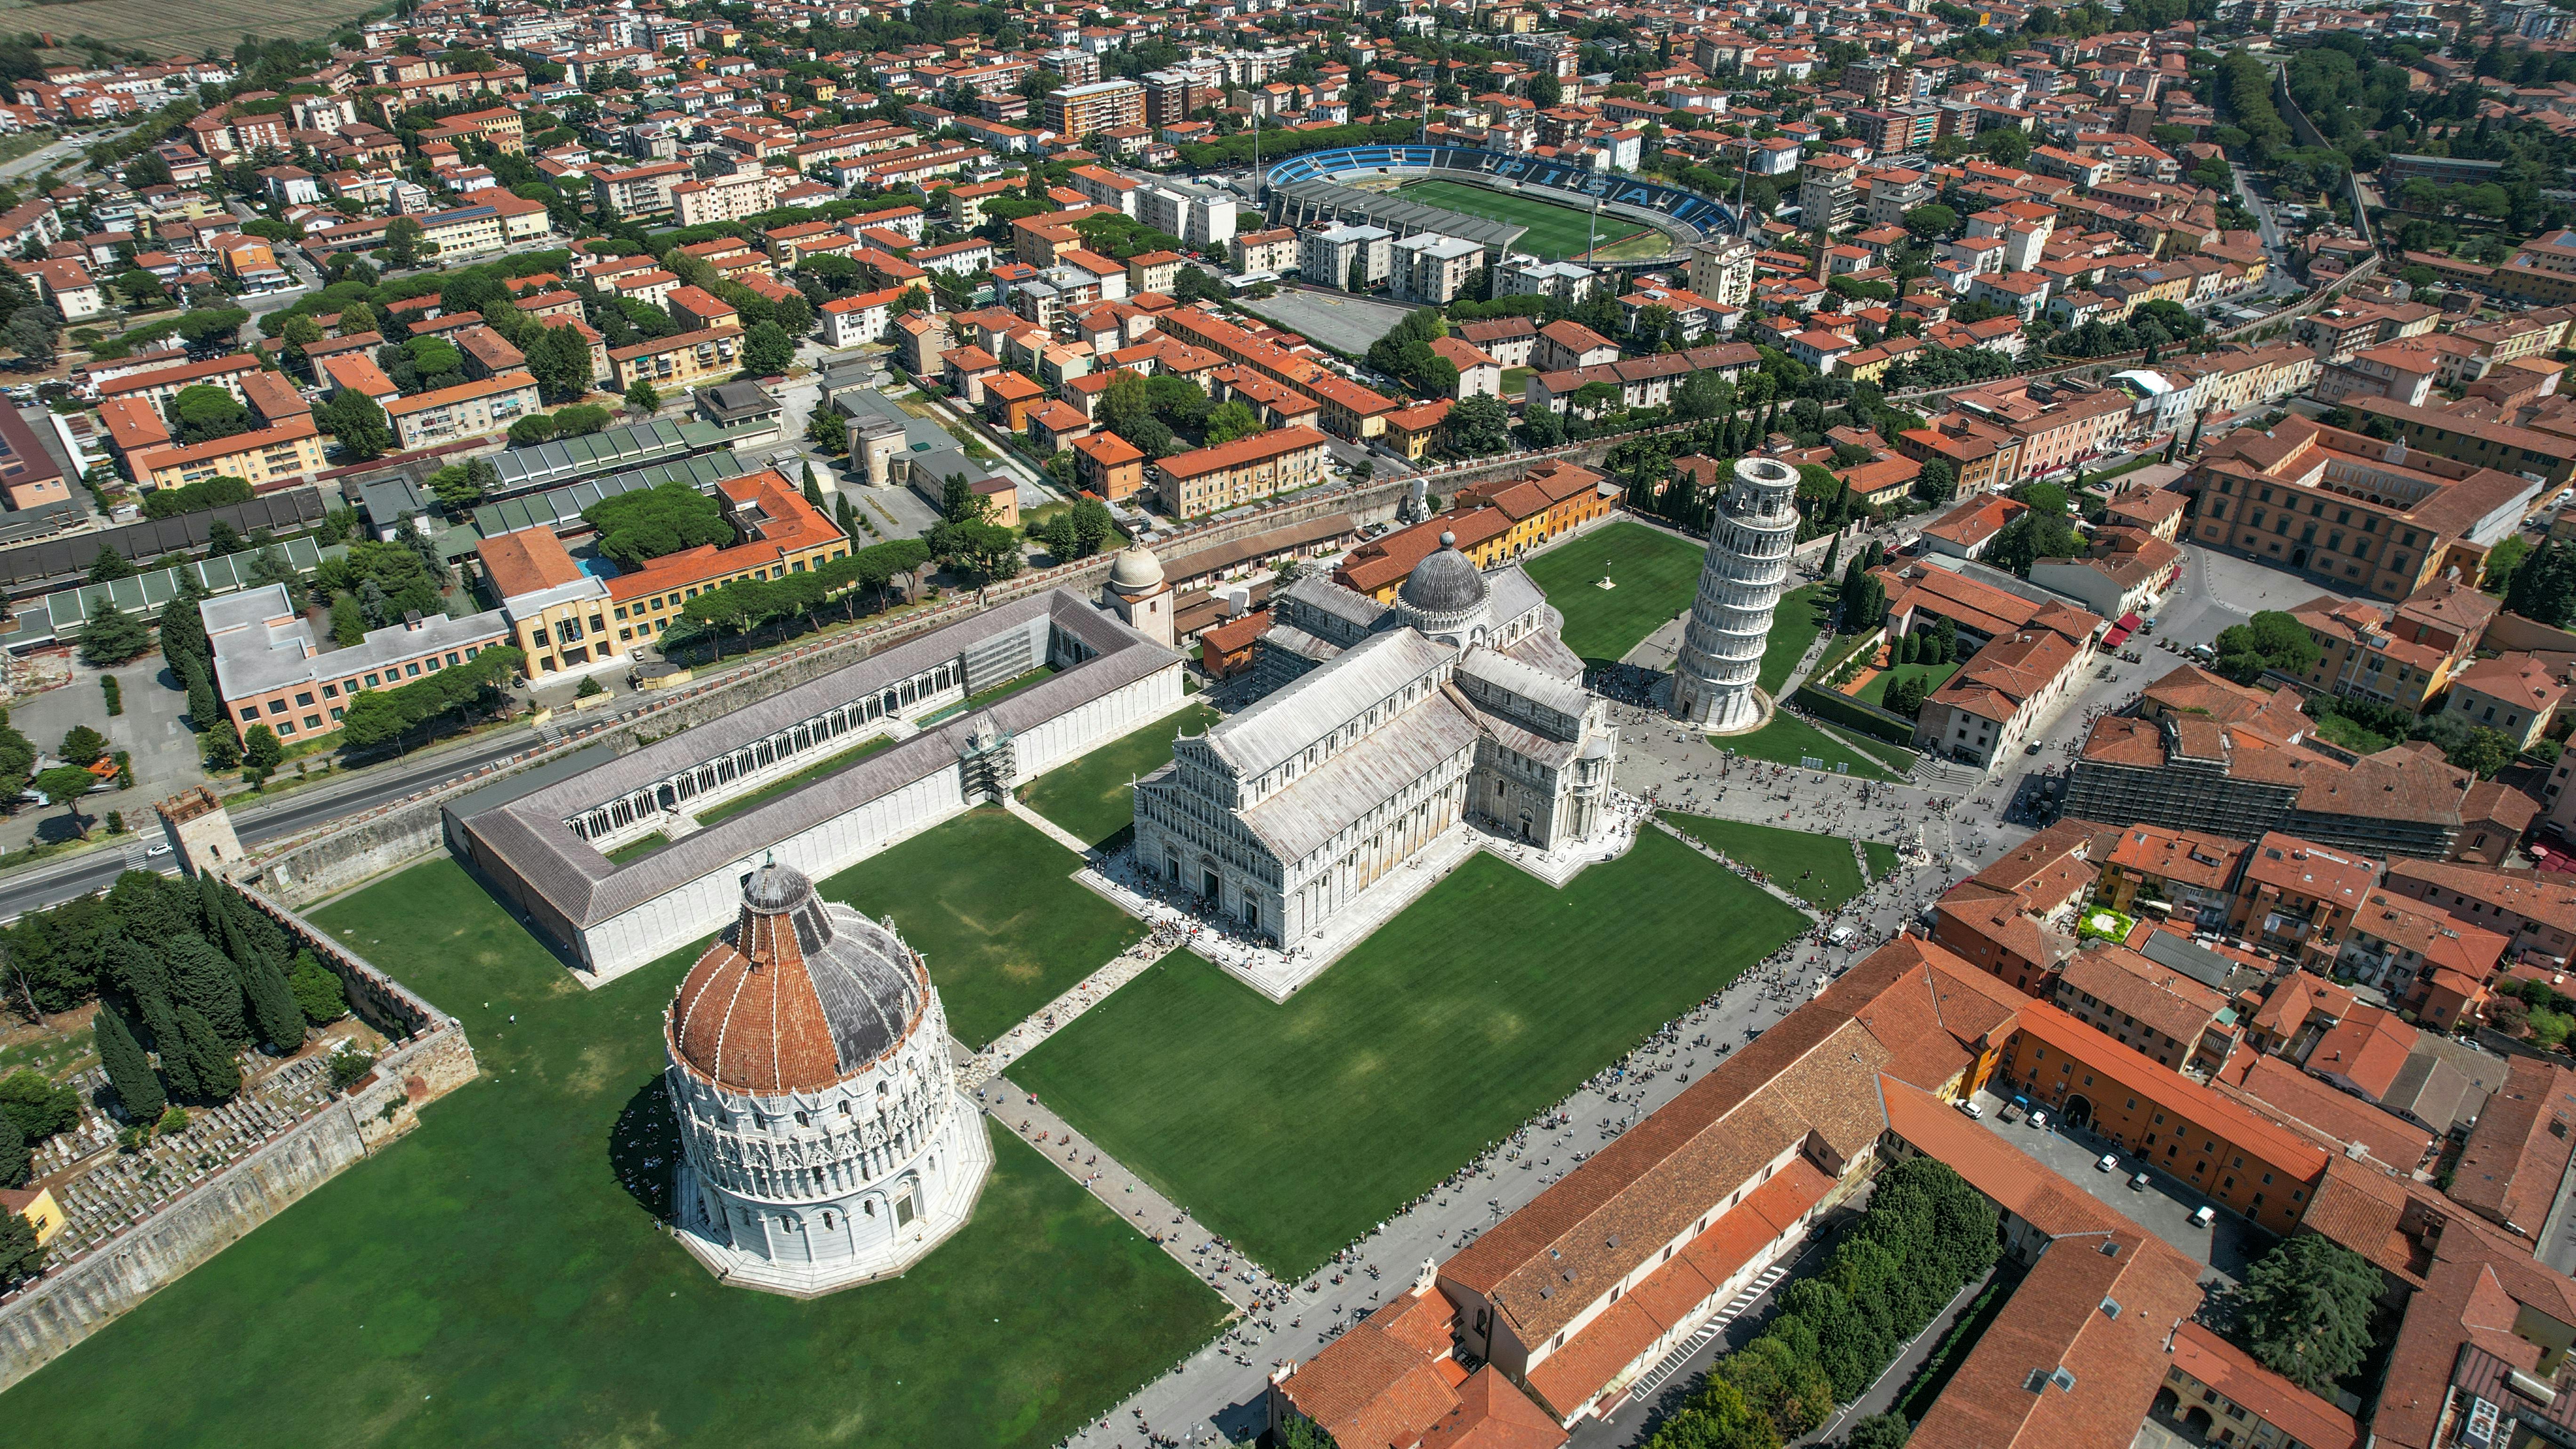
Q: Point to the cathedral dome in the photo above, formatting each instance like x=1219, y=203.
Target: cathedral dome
x=798, y=995
x=1443, y=583
x=1136, y=570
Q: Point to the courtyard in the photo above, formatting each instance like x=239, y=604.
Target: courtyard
x=1293, y=1129
x=990, y=902
x=1094, y=797
x=1654, y=574
x=500, y=1277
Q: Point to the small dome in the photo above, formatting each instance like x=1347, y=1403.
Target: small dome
x=1444, y=582
x=798, y=995
x=1136, y=570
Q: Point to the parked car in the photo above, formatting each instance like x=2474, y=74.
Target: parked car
x=2138, y=1183
x=1972, y=1109
x=2039, y=1119
x=2109, y=1163
x=2203, y=1216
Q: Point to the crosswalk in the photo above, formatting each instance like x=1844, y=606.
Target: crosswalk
x=1654, y=1378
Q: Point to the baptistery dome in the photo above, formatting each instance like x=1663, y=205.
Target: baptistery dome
x=823, y=1139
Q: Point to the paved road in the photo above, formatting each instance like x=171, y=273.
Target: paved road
x=47, y=885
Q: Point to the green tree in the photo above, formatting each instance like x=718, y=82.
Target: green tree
x=204, y=981
x=1879, y=1431
x=348, y=625
x=84, y=746
x=129, y=1071
x=13, y=1157
x=648, y=523
x=642, y=397
x=358, y=423
x=65, y=785
x=110, y=566
x=21, y=1256
x=37, y=1105
x=111, y=636
x=1229, y=421
x=2543, y=586
x=274, y=1007
x=261, y=752
x=1931, y=222
x=403, y=240
x=210, y=1062
x=2305, y=1311
x=767, y=350
x=2271, y=640
x=319, y=991
x=559, y=359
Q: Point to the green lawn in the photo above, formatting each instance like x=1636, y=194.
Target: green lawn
x=1516, y=383
x=499, y=1277
x=1655, y=574
x=983, y=697
x=989, y=901
x=1932, y=675
x=1817, y=869
x=638, y=848
x=1292, y=1129
x=1802, y=615
x=829, y=765
x=1882, y=858
x=1094, y=796
x=1787, y=738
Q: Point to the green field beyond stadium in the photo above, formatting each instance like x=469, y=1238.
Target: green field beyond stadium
x=1557, y=232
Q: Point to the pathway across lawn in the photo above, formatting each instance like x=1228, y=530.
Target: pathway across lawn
x=1655, y=574
x=1292, y=1129
x=1787, y=740
x=499, y=1277
x=1094, y=796
x=1817, y=869
x=991, y=903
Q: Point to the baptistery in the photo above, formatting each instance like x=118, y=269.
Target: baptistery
x=823, y=1140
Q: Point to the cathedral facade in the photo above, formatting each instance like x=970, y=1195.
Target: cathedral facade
x=1380, y=727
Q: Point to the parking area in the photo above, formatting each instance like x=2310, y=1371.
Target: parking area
x=2163, y=1207
x=2242, y=586
x=1343, y=323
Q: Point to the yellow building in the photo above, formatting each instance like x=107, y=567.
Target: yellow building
x=38, y=1207
x=1410, y=431
x=676, y=362
x=292, y=449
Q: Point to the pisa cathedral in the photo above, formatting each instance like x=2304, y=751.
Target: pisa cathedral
x=1380, y=727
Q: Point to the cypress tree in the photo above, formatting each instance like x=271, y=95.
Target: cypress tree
x=1833, y=553
x=272, y=1005
x=13, y=1155
x=21, y=1256
x=203, y=981
x=162, y=1020
x=128, y=1070
x=209, y=1060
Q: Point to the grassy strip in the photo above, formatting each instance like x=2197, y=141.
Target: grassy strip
x=983, y=697
x=1817, y=869
x=1789, y=740
x=637, y=849
x=1895, y=757
x=1802, y=615
x=1094, y=797
x=1935, y=1374
x=832, y=765
x=1882, y=859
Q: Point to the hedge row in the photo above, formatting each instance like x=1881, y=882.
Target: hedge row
x=1842, y=709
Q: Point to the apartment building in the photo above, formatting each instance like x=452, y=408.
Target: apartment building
x=266, y=457
x=271, y=670
x=2402, y=655
x=724, y=198
x=1722, y=271
x=2331, y=504
x=1432, y=269
x=467, y=410
x=1243, y=471
x=1828, y=192
x=677, y=361
x=639, y=190
x=1078, y=111
x=1343, y=255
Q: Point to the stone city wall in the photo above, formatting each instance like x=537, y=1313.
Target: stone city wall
x=429, y=1057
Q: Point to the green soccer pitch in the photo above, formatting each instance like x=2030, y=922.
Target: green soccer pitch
x=1557, y=232
x=500, y=1276
x=1292, y=1129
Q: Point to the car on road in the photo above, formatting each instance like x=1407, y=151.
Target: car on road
x=163, y=848
x=2109, y=1163
x=2138, y=1183
x=2031, y=749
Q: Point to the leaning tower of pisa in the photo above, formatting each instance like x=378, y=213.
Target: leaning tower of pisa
x=1739, y=586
